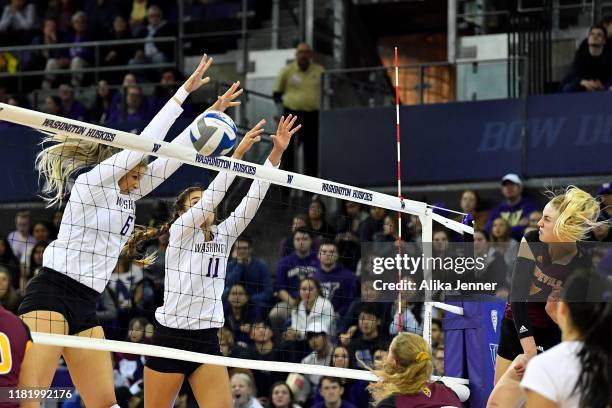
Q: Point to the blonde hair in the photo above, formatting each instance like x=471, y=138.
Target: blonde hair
x=578, y=212
x=59, y=161
x=409, y=373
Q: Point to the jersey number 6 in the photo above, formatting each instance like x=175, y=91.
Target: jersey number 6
x=210, y=261
x=6, y=360
x=127, y=224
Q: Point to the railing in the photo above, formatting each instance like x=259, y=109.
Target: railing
x=434, y=82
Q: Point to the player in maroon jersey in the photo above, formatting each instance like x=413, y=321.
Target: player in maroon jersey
x=15, y=340
x=405, y=378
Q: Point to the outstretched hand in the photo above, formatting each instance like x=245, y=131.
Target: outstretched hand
x=281, y=139
x=250, y=138
x=195, y=81
x=227, y=100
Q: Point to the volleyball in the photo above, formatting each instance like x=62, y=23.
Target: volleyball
x=213, y=133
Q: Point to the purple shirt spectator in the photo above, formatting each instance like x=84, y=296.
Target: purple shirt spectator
x=338, y=284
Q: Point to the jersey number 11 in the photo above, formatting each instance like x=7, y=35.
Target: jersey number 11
x=210, y=261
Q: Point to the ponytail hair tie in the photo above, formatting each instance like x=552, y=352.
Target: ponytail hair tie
x=421, y=356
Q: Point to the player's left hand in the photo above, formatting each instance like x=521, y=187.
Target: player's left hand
x=195, y=81
x=250, y=138
x=227, y=100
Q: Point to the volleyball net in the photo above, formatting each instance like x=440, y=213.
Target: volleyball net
x=316, y=295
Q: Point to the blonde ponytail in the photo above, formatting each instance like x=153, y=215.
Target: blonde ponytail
x=141, y=234
x=578, y=213
x=56, y=163
x=409, y=373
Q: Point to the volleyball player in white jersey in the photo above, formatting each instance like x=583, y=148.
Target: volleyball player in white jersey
x=196, y=259
x=98, y=220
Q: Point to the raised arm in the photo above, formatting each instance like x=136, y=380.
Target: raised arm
x=238, y=220
x=212, y=197
x=112, y=169
x=160, y=169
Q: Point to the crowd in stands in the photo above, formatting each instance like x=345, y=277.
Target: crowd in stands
x=315, y=305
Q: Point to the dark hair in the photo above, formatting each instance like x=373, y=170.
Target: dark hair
x=332, y=380
x=302, y=230
x=32, y=266
x=321, y=204
x=599, y=27
x=245, y=238
x=436, y=321
x=276, y=384
x=371, y=309
x=588, y=297
x=8, y=255
x=316, y=283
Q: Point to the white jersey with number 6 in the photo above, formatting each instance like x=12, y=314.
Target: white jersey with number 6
x=195, y=268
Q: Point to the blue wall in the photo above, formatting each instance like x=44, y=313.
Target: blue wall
x=566, y=134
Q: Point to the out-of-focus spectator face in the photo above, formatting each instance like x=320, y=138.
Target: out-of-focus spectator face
x=352, y=209
x=303, y=55
x=154, y=16
x=136, y=332
x=261, y=332
x=377, y=213
x=22, y=223
x=40, y=232
x=168, y=78
x=134, y=97
x=468, y=201
x=317, y=342
x=66, y=93
x=18, y=4
x=436, y=333
x=49, y=27
x=600, y=231
x=79, y=23
x=241, y=391
x=440, y=241
x=38, y=252
x=534, y=217
x=510, y=190
x=238, y=296
x=502, y=293
x=298, y=222
x=129, y=80
x=340, y=357
x=52, y=106
x=380, y=357
x=481, y=244
x=103, y=90
x=499, y=230
x=281, y=396
x=3, y=247
x=13, y=101
x=243, y=249
x=328, y=255
x=331, y=391
x=439, y=361
x=4, y=282
x=389, y=226
x=308, y=291
x=302, y=242
x=597, y=37
x=315, y=211
x=119, y=24
x=367, y=323
x=368, y=293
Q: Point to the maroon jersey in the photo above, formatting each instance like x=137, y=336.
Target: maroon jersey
x=434, y=395
x=14, y=341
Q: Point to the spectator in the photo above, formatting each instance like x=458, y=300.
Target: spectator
x=321, y=354
x=17, y=22
x=106, y=312
x=591, y=68
x=226, y=343
x=102, y=105
x=153, y=51
x=332, y=391
x=20, y=240
x=262, y=348
x=372, y=224
x=243, y=391
x=48, y=59
x=380, y=355
x=169, y=83
x=35, y=262
x=239, y=314
x=339, y=285
x=136, y=107
x=438, y=356
x=100, y=12
x=349, y=223
x=62, y=11
x=71, y=108
x=470, y=204
x=318, y=222
x=299, y=221
x=253, y=274
x=496, y=269
x=53, y=105
x=118, y=54
x=300, y=264
x=138, y=15
x=9, y=261
x=41, y=231
x=297, y=88
x=9, y=297
x=365, y=341
x=131, y=366
x=313, y=313
x=410, y=322
x=602, y=231
x=515, y=208
x=503, y=242
x=389, y=232
x=605, y=192
x=118, y=99
x=80, y=57
x=534, y=218
x=281, y=396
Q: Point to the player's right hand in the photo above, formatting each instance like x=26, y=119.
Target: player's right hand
x=250, y=138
